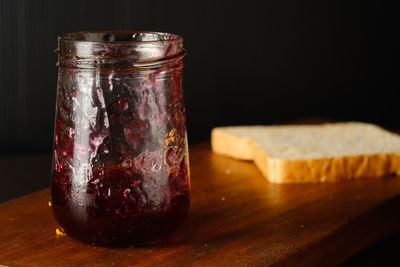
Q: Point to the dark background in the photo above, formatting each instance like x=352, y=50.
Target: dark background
x=248, y=62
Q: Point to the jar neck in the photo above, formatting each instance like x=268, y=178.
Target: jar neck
x=120, y=50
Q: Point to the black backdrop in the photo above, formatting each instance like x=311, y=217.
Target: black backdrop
x=248, y=61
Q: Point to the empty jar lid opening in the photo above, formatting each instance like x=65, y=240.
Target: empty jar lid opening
x=121, y=37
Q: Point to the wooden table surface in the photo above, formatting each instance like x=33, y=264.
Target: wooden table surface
x=236, y=218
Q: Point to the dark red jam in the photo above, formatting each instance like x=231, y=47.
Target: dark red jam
x=121, y=205
x=120, y=162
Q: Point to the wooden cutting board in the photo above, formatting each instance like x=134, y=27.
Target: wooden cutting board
x=236, y=219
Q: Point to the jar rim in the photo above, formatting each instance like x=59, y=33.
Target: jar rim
x=127, y=50
x=89, y=37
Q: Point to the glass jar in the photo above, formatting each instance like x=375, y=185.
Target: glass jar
x=120, y=171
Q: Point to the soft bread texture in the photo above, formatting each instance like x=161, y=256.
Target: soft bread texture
x=312, y=153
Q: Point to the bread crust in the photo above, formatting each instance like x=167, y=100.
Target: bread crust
x=230, y=145
x=284, y=171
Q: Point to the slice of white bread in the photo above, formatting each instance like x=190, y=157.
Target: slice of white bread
x=312, y=153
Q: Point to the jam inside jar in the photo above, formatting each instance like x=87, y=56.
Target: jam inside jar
x=120, y=172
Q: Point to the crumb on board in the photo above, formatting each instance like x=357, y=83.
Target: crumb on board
x=60, y=231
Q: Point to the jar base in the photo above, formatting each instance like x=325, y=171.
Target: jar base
x=110, y=232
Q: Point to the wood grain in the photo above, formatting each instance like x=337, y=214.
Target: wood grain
x=236, y=218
